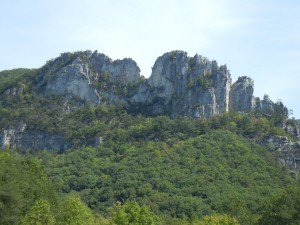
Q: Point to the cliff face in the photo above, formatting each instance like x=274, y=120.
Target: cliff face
x=178, y=85
x=24, y=139
x=89, y=77
x=287, y=152
x=187, y=86
x=241, y=95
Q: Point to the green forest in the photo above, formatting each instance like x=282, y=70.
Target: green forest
x=145, y=170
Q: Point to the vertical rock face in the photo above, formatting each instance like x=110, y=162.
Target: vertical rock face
x=178, y=85
x=188, y=86
x=241, y=95
x=118, y=71
x=80, y=75
x=17, y=137
x=75, y=80
x=7, y=137
x=287, y=152
x=266, y=105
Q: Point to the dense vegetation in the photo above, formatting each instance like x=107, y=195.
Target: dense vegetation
x=145, y=170
x=216, y=172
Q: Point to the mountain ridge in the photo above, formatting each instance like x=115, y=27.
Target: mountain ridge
x=37, y=106
x=178, y=85
x=187, y=142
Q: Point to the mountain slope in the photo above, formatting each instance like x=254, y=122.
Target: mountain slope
x=184, y=142
x=215, y=172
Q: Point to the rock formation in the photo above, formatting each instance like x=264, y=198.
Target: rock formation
x=187, y=86
x=90, y=77
x=287, y=152
x=178, y=85
x=24, y=139
x=241, y=94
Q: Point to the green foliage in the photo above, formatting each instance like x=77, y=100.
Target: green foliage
x=74, y=212
x=215, y=172
x=181, y=168
x=283, y=208
x=280, y=113
x=28, y=197
x=132, y=213
x=22, y=183
x=39, y=214
x=217, y=220
x=10, y=78
x=205, y=80
x=190, y=84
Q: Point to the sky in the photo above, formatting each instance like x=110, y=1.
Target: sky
x=257, y=38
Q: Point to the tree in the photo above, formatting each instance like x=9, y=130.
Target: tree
x=74, y=212
x=217, y=220
x=22, y=182
x=283, y=209
x=39, y=214
x=131, y=213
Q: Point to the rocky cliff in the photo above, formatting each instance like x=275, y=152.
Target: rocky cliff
x=286, y=151
x=22, y=138
x=178, y=85
x=90, y=77
x=187, y=86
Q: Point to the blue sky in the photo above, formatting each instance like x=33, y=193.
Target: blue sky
x=258, y=38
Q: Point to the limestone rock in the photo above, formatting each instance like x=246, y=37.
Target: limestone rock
x=179, y=84
x=15, y=90
x=75, y=80
x=187, y=86
x=241, y=95
x=266, y=106
x=32, y=139
x=118, y=71
x=89, y=77
x=287, y=152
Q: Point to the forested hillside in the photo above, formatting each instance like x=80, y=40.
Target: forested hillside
x=65, y=161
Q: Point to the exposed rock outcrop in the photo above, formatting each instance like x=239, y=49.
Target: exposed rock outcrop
x=286, y=151
x=73, y=79
x=241, y=95
x=265, y=106
x=117, y=71
x=15, y=90
x=89, y=77
x=31, y=139
x=187, y=86
x=178, y=85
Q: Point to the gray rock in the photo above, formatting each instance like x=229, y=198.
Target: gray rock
x=266, y=106
x=179, y=84
x=118, y=71
x=90, y=77
x=98, y=141
x=74, y=80
x=187, y=86
x=31, y=139
x=15, y=90
x=286, y=151
x=241, y=95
